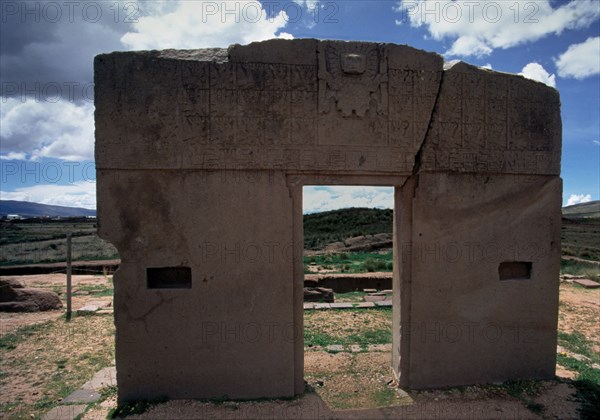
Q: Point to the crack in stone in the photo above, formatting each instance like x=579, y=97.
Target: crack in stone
x=418, y=155
x=142, y=317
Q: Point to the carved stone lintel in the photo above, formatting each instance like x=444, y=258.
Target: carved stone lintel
x=353, y=79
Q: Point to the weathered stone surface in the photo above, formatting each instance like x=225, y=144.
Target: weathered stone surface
x=587, y=283
x=104, y=377
x=14, y=297
x=365, y=305
x=488, y=122
x=374, y=298
x=229, y=314
x=463, y=227
x=82, y=396
x=270, y=105
x=318, y=294
x=65, y=412
x=201, y=158
x=341, y=305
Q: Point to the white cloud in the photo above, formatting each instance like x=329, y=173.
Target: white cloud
x=469, y=45
x=479, y=27
x=335, y=197
x=13, y=156
x=310, y=5
x=78, y=194
x=580, y=60
x=578, y=198
x=60, y=129
x=198, y=24
x=535, y=71
x=487, y=66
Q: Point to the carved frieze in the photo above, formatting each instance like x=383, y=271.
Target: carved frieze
x=352, y=79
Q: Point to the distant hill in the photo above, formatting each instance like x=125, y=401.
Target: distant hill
x=582, y=210
x=28, y=209
x=321, y=229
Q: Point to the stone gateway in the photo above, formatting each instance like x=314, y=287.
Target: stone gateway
x=201, y=158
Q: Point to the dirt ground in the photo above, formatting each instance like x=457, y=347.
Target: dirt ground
x=580, y=311
x=343, y=379
x=83, y=287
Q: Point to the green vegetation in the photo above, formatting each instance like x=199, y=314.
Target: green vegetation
x=354, y=297
x=580, y=238
x=588, y=379
x=524, y=390
x=351, y=262
x=96, y=290
x=35, y=230
x=54, y=358
x=590, y=209
x=355, y=326
x=136, y=407
x=327, y=227
x=579, y=268
x=35, y=241
x=10, y=340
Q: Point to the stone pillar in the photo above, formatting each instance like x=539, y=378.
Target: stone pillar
x=204, y=297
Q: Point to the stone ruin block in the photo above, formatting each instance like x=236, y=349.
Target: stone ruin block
x=201, y=158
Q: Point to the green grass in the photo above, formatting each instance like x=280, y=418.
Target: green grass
x=327, y=227
x=97, y=290
x=44, y=241
x=580, y=238
x=524, y=390
x=135, y=407
x=351, y=262
x=54, y=358
x=11, y=340
x=588, y=379
x=363, y=333
x=579, y=268
x=353, y=297
x=385, y=397
x=367, y=338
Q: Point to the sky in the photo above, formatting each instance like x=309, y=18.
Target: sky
x=47, y=50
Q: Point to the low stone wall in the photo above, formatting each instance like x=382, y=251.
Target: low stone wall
x=344, y=283
x=78, y=267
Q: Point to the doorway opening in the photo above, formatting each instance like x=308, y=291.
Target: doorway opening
x=348, y=263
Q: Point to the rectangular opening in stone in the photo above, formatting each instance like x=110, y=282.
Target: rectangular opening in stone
x=348, y=233
x=514, y=270
x=169, y=277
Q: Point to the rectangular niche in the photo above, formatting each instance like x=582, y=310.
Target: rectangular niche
x=169, y=277
x=515, y=270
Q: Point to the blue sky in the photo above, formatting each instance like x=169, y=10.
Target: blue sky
x=47, y=50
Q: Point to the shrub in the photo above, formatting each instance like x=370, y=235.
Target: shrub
x=372, y=264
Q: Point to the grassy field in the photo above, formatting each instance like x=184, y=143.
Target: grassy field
x=581, y=238
x=43, y=363
x=347, y=327
x=43, y=241
x=350, y=262
x=34, y=230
